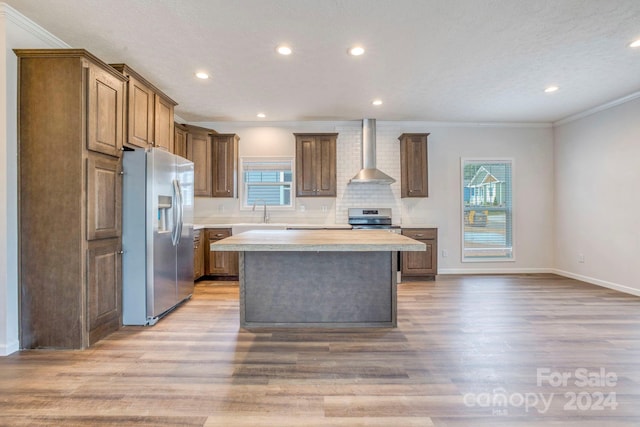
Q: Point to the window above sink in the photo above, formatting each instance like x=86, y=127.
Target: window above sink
x=267, y=180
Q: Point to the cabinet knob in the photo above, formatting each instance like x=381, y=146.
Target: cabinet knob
x=120, y=252
x=121, y=172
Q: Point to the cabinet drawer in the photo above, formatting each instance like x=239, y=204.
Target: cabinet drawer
x=218, y=233
x=420, y=233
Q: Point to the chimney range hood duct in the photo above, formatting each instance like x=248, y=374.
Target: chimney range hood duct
x=369, y=174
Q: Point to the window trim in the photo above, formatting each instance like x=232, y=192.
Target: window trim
x=510, y=160
x=241, y=183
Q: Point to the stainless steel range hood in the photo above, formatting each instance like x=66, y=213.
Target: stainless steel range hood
x=369, y=174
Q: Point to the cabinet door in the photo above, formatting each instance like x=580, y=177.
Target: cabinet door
x=104, y=198
x=325, y=166
x=414, y=165
x=163, y=132
x=199, y=152
x=316, y=165
x=306, y=166
x=141, y=117
x=198, y=255
x=219, y=263
x=104, y=284
x=180, y=141
x=224, y=169
x=421, y=263
x=105, y=112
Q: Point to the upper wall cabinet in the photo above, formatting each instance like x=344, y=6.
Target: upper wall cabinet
x=316, y=164
x=199, y=152
x=149, y=113
x=180, y=140
x=414, y=165
x=224, y=165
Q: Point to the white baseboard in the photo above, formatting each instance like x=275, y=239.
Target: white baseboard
x=494, y=270
x=587, y=279
x=598, y=282
x=9, y=348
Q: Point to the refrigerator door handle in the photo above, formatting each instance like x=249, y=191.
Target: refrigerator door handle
x=176, y=213
x=180, y=212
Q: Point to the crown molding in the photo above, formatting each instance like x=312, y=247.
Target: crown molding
x=15, y=17
x=598, y=109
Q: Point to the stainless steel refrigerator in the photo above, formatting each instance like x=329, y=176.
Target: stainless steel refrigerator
x=157, y=234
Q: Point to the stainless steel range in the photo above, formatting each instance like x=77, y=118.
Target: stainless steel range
x=372, y=219
x=375, y=219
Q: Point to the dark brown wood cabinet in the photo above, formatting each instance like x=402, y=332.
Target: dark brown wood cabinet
x=149, y=113
x=219, y=263
x=316, y=164
x=70, y=193
x=104, y=288
x=198, y=254
x=199, y=152
x=421, y=264
x=104, y=197
x=414, y=165
x=180, y=140
x=224, y=165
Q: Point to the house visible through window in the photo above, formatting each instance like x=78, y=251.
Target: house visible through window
x=487, y=226
x=267, y=180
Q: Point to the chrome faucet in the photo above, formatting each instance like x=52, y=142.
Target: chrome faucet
x=265, y=217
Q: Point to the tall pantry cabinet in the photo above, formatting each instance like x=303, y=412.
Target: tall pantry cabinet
x=70, y=196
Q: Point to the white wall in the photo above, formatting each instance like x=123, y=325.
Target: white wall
x=597, y=205
x=15, y=32
x=531, y=147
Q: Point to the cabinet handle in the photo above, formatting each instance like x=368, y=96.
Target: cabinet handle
x=419, y=235
x=219, y=235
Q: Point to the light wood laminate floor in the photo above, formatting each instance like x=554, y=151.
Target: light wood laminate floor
x=463, y=343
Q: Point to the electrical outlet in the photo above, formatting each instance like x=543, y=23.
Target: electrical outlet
x=581, y=258
x=445, y=253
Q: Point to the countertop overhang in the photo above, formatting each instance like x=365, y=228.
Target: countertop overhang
x=318, y=240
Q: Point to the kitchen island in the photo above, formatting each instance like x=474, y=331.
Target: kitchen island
x=318, y=278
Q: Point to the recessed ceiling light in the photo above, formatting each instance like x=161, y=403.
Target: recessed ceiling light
x=284, y=50
x=377, y=102
x=635, y=43
x=356, y=51
x=551, y=89
x=261, y=115
x=202, y=75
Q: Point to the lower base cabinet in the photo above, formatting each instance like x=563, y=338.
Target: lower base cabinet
x=421, y=264
x=198, y=254
x=104, y=287
x=216, y=264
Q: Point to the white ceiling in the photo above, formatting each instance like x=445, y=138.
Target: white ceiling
x=434, y=60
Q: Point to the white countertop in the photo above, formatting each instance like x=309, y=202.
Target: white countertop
x=318, y=240
x=288, y=225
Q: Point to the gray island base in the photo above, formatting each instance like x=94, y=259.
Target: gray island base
x=317, y=278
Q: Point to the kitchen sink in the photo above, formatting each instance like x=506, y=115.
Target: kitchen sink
x=241, y=228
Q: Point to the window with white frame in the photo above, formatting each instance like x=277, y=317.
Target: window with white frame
x=267, y=180
x=487, y=210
